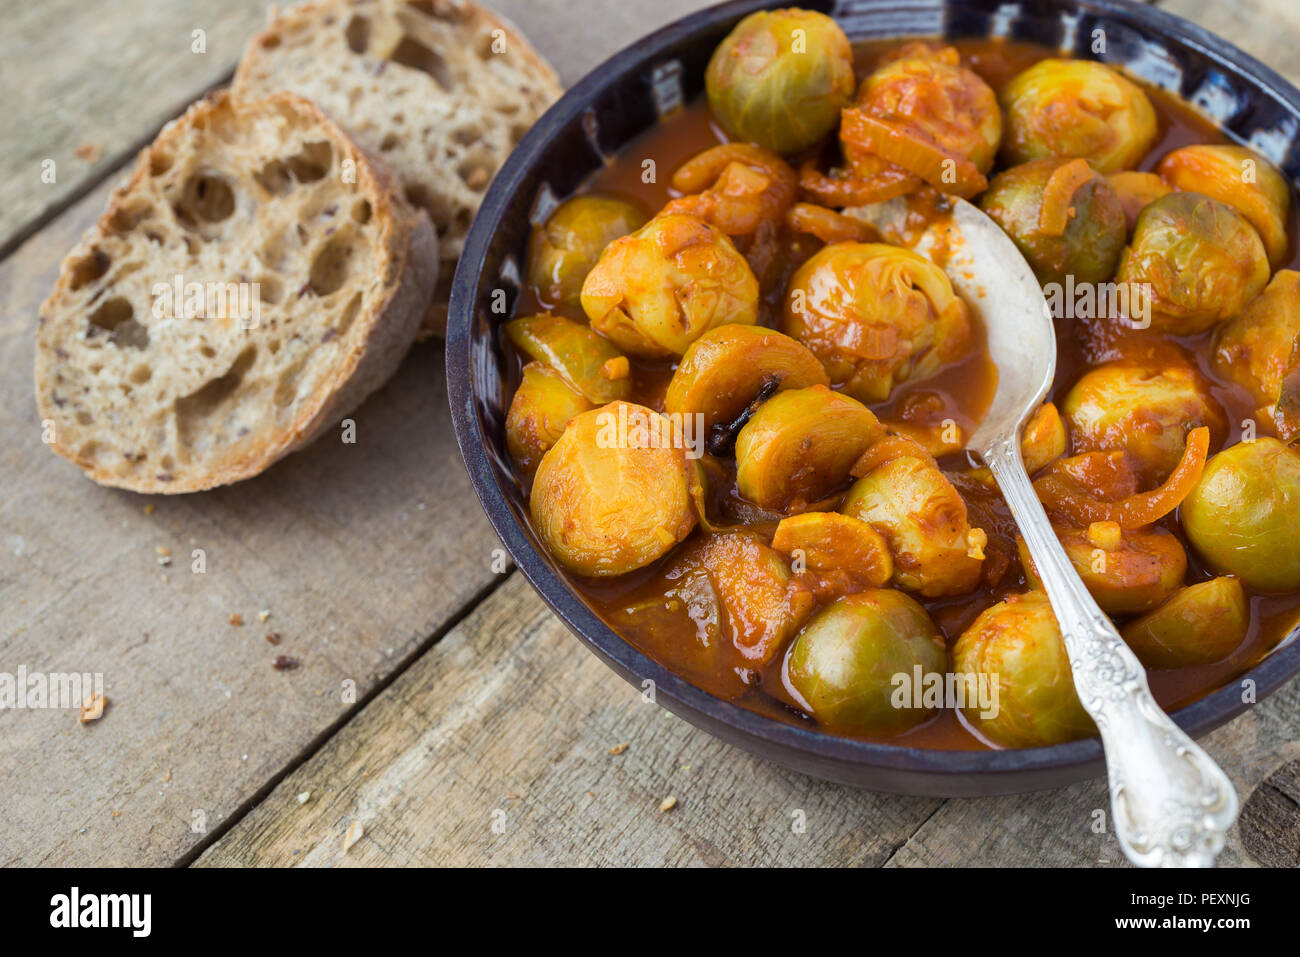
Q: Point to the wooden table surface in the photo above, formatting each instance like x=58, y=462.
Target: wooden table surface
x=440, y=711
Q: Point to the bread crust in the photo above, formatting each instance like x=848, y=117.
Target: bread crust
x=375, y=341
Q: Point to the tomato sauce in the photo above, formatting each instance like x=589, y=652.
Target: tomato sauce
x=961, y=392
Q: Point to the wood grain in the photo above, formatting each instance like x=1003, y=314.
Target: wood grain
x=1266, y=29
x=359, y=551
x=494, y=748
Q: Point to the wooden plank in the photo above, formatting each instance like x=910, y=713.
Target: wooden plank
x=509, y=721
x=1266, y=29
x=85, y=85
x=494, y=748
x=360, y=552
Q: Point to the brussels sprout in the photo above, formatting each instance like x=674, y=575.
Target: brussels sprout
x=1126, y=570
x=658, y=290
x=1077, y=108
x=1254, y=350
x=926, y=90
x=580, y=356
x=1017, y=646
x=800, y=445
x=562, y=251
x=1033, y=201
x=763, y=605
x=828, y=542
x=1200, y=261
x=923, y=518
x=1243, y=515
x=542, y=406
x=845, y=662
x=876, y=316
x=1136, y=191
x=727, y=367
x=615, y=492
x=1200, y=624
x=1145, y=409
x=780, y=79
x=1241, y=178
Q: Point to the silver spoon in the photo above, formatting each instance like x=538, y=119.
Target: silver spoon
x=1171, y=804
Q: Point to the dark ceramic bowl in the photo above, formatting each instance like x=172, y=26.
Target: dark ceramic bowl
x=617, y=101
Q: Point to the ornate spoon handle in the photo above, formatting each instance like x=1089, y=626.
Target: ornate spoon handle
x=1171, y=804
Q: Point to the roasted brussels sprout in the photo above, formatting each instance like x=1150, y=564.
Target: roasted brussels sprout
x=800, y=445
x=828, y=542
x=562, y=250
x=845, y=662
x=1240, y=178
x=1062, y=215
x=1244, y=513
x=658, y=290
x=1143, y=408
x=780, y=79
x=1136, y=191
x=583, y=359
x=1017, y=646
x=1255, y=349
x=542, y=406
x=763, y=605
x=1200, y=624
x=1126, y=570
x=923, y=518
x=876, y=316
x=1077, y=108
x=727, y=367
x=1199, y=259
x=926, y=113
x=615, y=492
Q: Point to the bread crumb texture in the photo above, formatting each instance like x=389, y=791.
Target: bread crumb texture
x=255, y=278
x=441, y=90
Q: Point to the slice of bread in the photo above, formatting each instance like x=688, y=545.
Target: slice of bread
x=441, y=90
x=255, y=278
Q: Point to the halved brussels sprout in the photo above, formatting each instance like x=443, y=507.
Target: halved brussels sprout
x=763, y=605
x=1199, y=259
x=1136, y=191
x=1062, y=216
x=614, y=493
x=1144, y=409
x=1243, y=516
x=923, y=518
x=1200, y=624
x=579, y=355
x=780, y=79
x=1017, y=646
x=926, y=113
x=727, y=367
x=562, y=250
x=1126, y=570
x=800, y=445
x=542, y=406
x=1241, y=178
x=845, y=662
x=1077, y=108
x=876, y=316
x=828, y=542
x=1255, y=349
x=658, y=290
